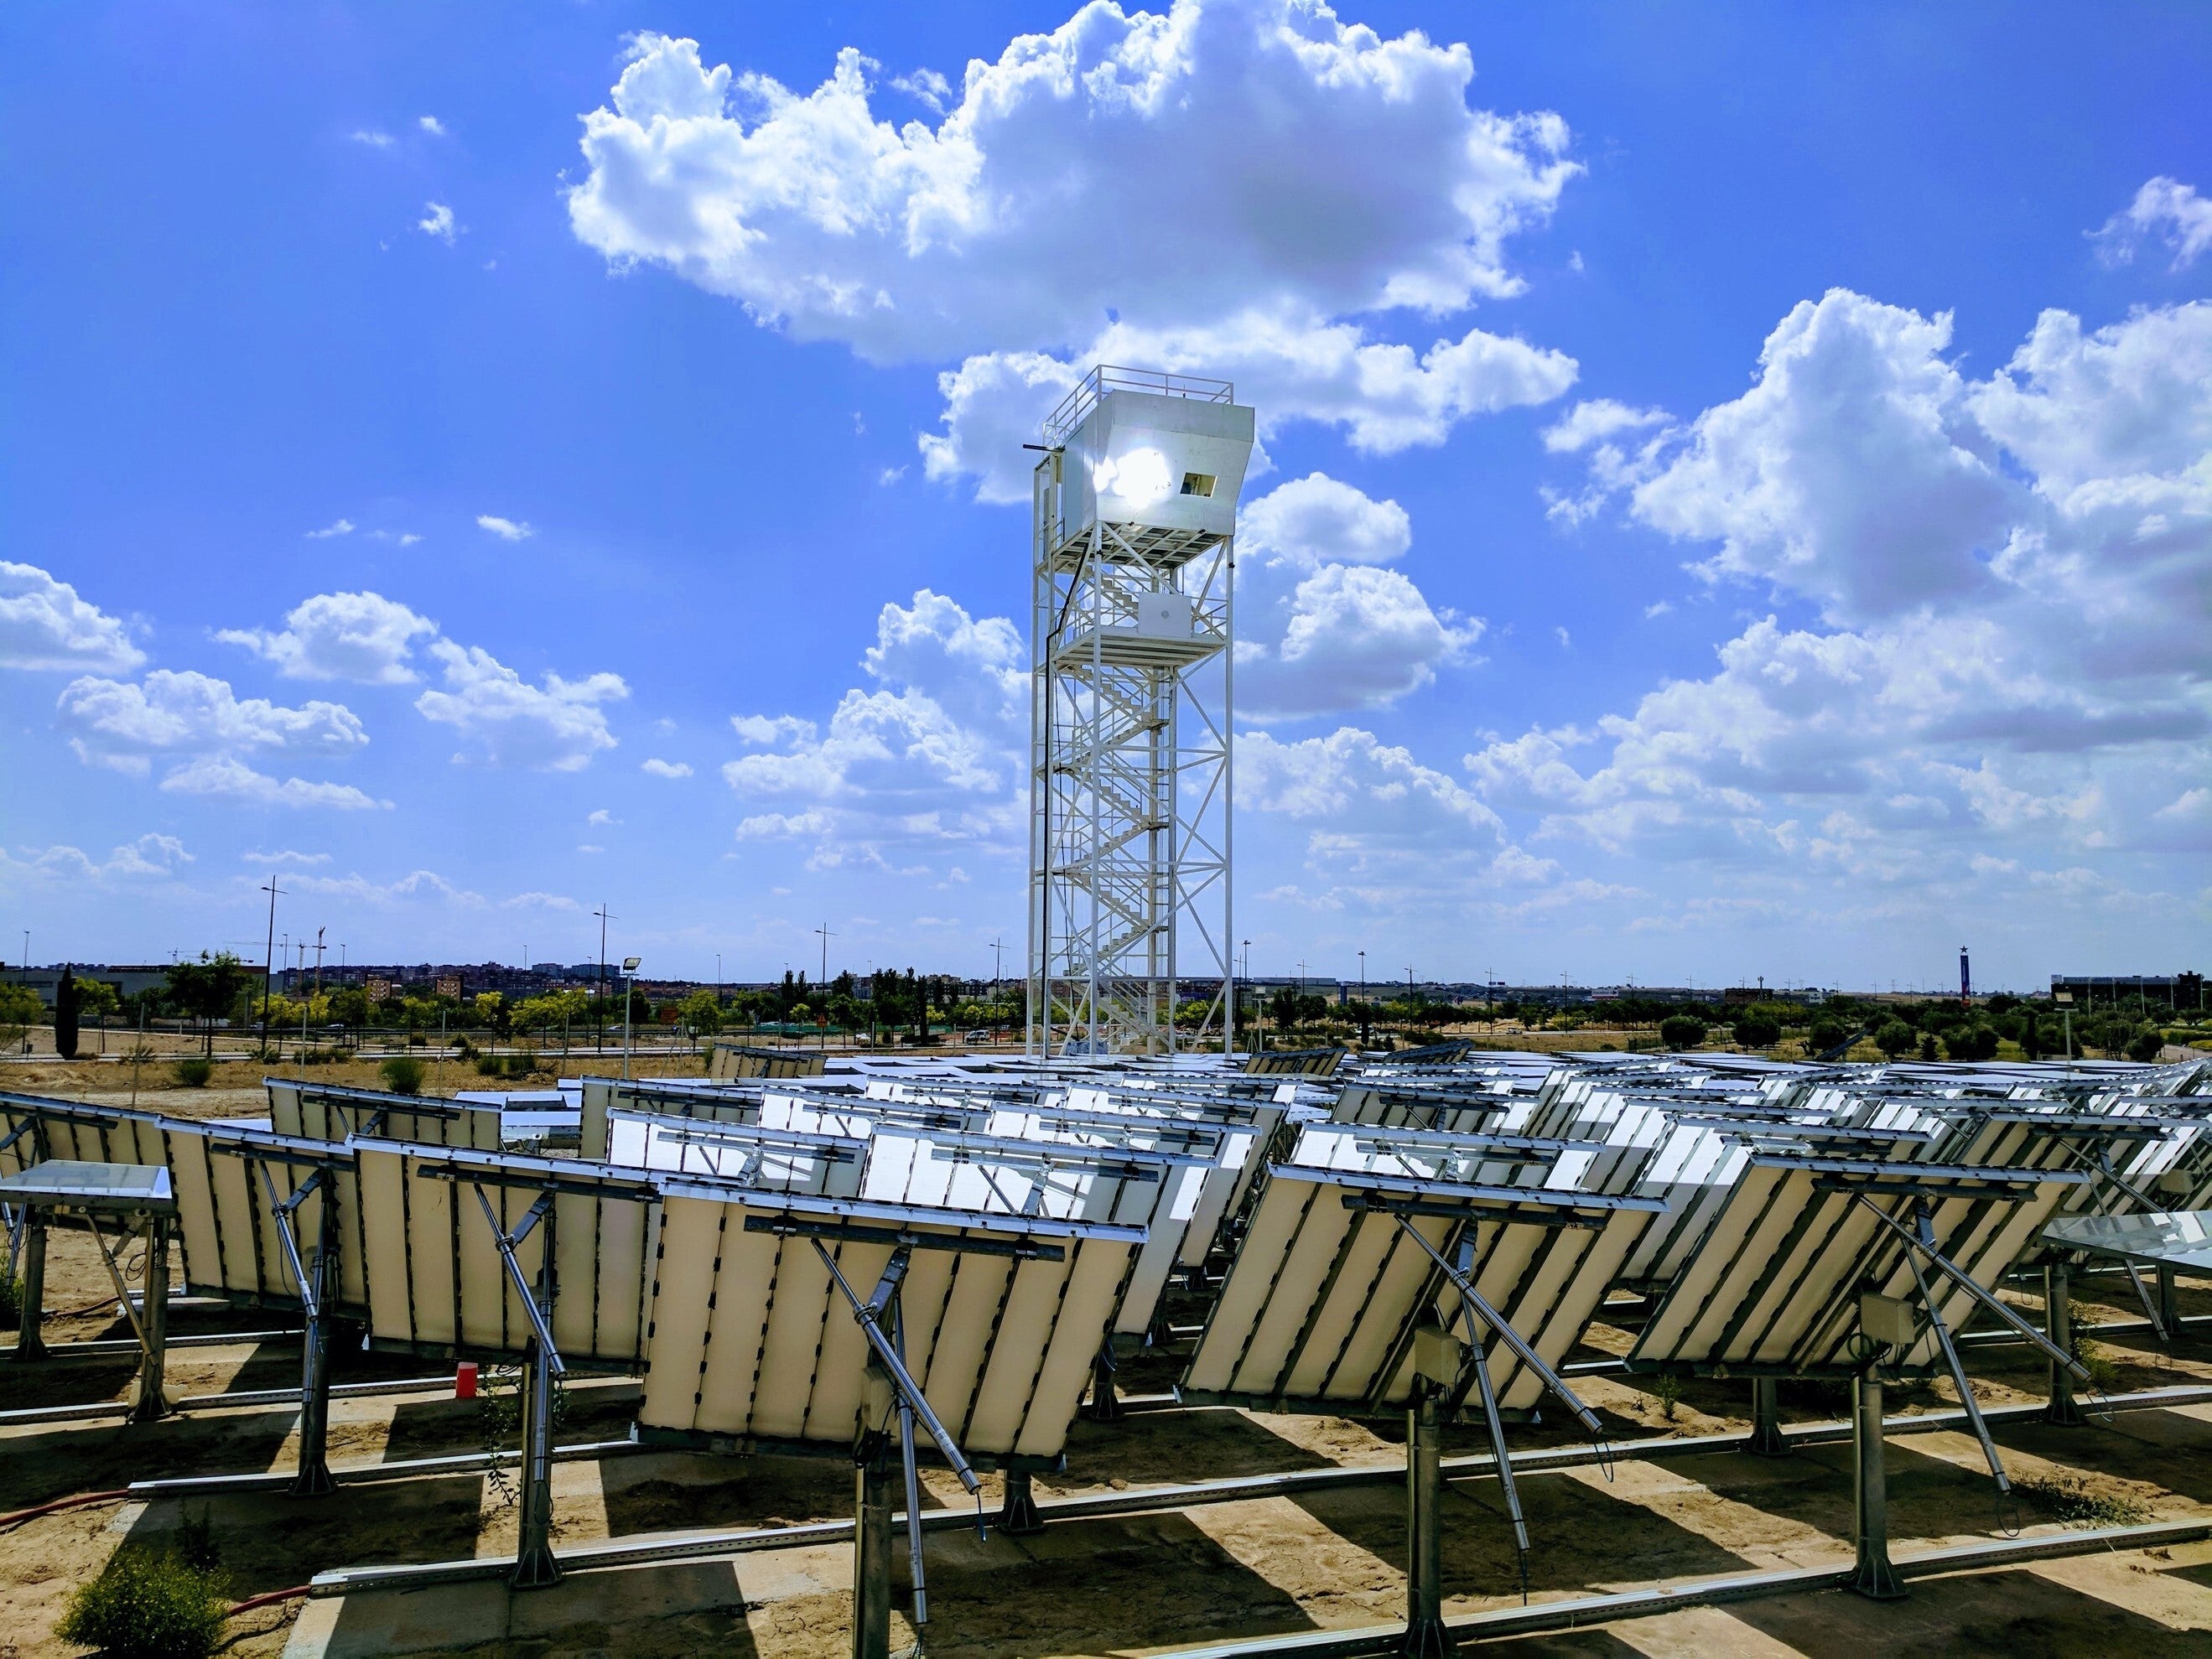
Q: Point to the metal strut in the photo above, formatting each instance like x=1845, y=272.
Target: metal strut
x=872, y=1521
x=535, y=1565
x=1496, y=1424
x=2156, y=1313
x=912, y=1488
x=1925, y=1229
x=314, y=1478
x=868, y=1315
x=149, y=1329
x=1959, y=1277
x=1513, y=1339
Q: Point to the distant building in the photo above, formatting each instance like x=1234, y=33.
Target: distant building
x=2086, y=991
x=128, y=981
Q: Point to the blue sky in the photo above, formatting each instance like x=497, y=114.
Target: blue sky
x=1737, y=495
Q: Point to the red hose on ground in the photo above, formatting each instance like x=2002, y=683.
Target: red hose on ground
x=59, y=1504
x=251, y=1602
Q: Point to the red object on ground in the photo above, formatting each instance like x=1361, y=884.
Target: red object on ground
x=269, y=1600
x=59, y=1504
x=464, y=1380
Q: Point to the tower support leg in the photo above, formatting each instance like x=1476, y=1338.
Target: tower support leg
x=1425, y=1635
x=30, y=1338
x=2169, y=1306
x=2058, y=1325
x=1873, y=1576
x=1766, y=1439
x=534, y=1565
x=151, y=1400
x=1018, y=1517
x=871, y=1562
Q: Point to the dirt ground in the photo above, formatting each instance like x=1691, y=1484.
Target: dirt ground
x=1120, y=1585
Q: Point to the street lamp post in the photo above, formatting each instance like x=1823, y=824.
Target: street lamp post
x=1365, y=1036
x=629, y=968
x=1244, y=974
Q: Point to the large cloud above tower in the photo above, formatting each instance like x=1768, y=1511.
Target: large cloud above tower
x=1130, y=164
x=1245, y=188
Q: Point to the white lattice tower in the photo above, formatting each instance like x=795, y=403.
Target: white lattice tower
x=1132, y=676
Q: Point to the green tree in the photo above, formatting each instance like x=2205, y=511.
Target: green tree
x=206, y=990
x=66, y=1008
x=97, y=999
x=1971, y=1042
x=701, y=1011
x=1896, y=1039
x=20, y=1009
x=1757, y=1031
x=1681, y=1030
x=2147, y=1043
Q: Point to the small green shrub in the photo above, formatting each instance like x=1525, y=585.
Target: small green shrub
x=1667, y=1391
x=402, y=1074
x=11, y=1304
x=196, y=1545
x=2103, y=1374
x=2069, y=1498
x=148, y=1604
x=193, y=1071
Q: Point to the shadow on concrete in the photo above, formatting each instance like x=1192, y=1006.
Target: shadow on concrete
x=272, y=1541
x=659, y=1612
x=684, y=1491
x=1581, y=1536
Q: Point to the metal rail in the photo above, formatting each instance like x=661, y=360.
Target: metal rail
x=1581, y=1611
x=1105, y=1505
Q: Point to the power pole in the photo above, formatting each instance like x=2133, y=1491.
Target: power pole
x=600, y=1041
x=822, y=991
x=268, y=959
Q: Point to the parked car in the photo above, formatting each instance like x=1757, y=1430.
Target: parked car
x=977, y=1037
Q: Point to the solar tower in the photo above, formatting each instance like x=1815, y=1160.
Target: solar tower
x=1132, y=673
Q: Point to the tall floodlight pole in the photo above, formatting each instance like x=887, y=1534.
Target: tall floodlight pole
x=599, y=991
x=269, y=960
x=1132, y=691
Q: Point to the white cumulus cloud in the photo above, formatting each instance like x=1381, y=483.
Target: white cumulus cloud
x=1349, y=195
x=149, y=858
x=1323, y=628
x=2165, y=209
x=122, y=724
x=658, y=768
x=930, y=754
x=982, y=232
x=506, y=720
x=45, y=624
x=507, y=530
x=225, y=777
x=437, y=220
x=362, y=637
x=2008, y=670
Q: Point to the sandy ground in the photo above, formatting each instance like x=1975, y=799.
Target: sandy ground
x=1113, y=1586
